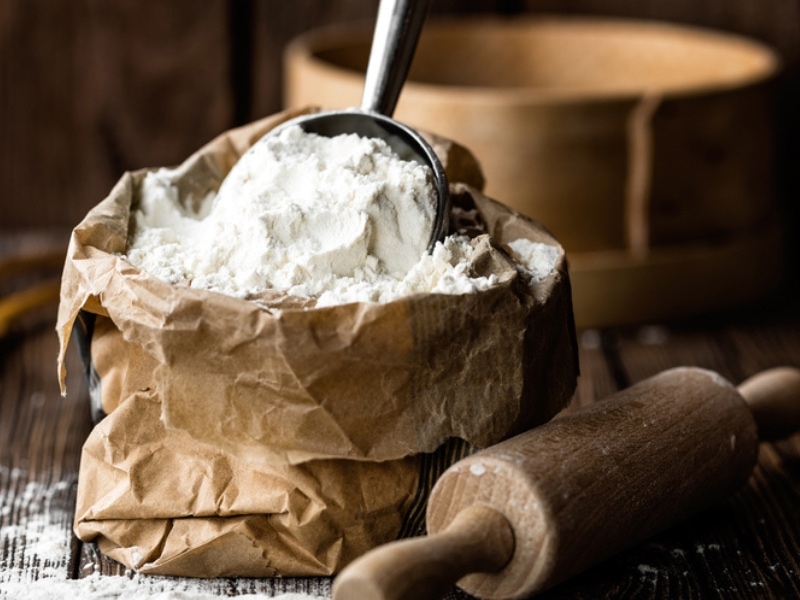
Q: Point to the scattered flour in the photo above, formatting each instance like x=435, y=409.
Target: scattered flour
x=36, y=529
x=338, y=219
x=591, y=339
x=477, y=469
x=35, y=553
x=96, y=587
x=647, y=570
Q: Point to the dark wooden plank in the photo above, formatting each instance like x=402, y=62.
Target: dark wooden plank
x=275, y=24
x=40, y=438
x=598, y=378
x=768, y=345
x=774, y=21
x=40, y=434
x=91, y=88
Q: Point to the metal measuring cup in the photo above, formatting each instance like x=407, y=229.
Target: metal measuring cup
x=397, y=30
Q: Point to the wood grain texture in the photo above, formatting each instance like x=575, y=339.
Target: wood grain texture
x=91, y=88
x=276, y=23
x=41, y=436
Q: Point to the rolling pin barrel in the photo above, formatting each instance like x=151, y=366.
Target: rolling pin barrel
x=596, y=481
x=589, y=484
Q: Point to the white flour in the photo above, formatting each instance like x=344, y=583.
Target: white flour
x=337, y=219
x=535, y=259
x=35, y=553
x=97, y=587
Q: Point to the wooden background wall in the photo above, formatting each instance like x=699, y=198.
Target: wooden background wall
x=91, y=88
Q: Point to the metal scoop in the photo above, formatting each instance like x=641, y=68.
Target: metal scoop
x=394, y=41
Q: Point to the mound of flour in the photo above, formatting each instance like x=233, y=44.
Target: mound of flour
x=339, y=219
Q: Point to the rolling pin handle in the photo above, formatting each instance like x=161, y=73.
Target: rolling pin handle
x=479, y=539
x=774, y=399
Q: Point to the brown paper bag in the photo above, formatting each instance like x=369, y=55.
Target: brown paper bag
x=276, y=438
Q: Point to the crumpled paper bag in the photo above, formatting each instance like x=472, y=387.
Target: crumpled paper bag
x=270, y=437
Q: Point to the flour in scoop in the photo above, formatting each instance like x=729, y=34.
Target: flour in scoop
x=339, y=219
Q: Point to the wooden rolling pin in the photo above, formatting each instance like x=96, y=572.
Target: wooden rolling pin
x=528, y=513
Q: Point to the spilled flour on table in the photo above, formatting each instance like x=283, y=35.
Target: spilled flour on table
x=36, y=548
x=96, y=587
x=35, y=525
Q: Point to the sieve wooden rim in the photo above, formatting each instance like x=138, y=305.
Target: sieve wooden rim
x=609, y=47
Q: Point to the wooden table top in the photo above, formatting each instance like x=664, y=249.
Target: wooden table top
x=747, y=547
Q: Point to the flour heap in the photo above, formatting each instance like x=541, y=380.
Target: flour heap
x=340, y=219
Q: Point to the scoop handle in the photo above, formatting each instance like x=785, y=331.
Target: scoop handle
x=394, y=42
